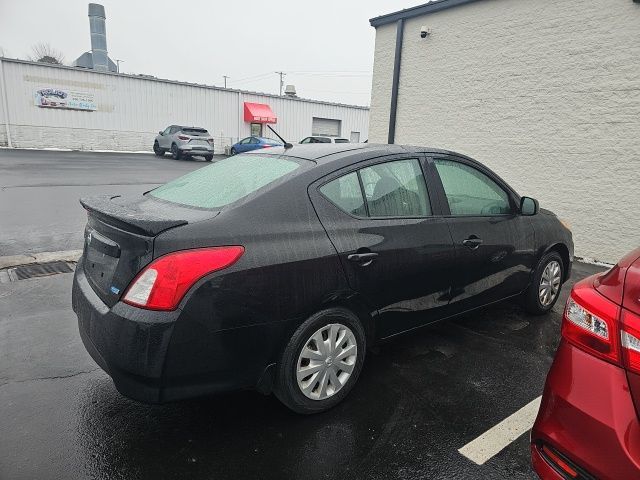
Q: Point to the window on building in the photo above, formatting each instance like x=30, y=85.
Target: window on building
x=471, y=192
x=256, y=129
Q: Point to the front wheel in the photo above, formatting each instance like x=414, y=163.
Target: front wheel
x=321, y=362
x=208, y=158
x=544, y=291
x=175, y=152
x=233, y=151
x=157, y=150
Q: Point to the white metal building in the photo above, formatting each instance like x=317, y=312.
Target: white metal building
x=45, y=105
x=545, y=92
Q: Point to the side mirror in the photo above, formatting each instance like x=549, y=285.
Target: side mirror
x=161, y=132
x=529, y=206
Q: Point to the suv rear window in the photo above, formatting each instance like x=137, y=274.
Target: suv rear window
x=225, y=182
x=195, y=131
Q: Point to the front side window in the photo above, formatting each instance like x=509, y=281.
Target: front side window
x=396, y=189
x=224, y=182
x=166, y=131
x=174, y=129
x=346, y=194
x=244, y=141
x=471, y=192
x=306, y=140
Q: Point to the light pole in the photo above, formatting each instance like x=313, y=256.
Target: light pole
x=282, y=75
x=118, y=62
x=225, y=80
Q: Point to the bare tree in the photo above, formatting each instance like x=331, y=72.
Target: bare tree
x=43, y=52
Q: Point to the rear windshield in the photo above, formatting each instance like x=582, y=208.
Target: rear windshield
x=225, y=182
x=195, y=131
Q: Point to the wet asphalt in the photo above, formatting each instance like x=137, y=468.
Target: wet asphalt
x=419, y=399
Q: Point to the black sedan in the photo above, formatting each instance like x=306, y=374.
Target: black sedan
x=277, y=270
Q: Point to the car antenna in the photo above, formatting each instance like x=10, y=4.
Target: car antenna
x=286, y=144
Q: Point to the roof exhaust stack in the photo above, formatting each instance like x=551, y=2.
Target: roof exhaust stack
x=290, y=91
x=98, y=31
x=97, y=58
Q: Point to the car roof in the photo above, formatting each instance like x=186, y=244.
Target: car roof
x=327, y=152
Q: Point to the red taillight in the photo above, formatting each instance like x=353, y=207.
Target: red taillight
x=267, y=146
x=630, y=340
x=183, y=137
x=590, y=322
x=162, y=284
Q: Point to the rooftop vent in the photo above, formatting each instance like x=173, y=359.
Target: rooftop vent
x=290, y=91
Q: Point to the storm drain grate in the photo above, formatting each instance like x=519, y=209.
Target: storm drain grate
x=38, y=270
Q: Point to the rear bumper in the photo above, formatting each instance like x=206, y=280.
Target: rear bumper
x=155, y=357
x=587, y=415
x=128, y=343
x=199, y=150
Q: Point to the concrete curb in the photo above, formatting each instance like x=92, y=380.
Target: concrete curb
x=41, y=257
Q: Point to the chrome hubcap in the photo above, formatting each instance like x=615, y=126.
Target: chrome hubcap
x=550, y=283
x=326, y=361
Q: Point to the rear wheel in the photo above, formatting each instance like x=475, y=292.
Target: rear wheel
x=175, y=152
x=157, y=150
x=321, y=362
x=544, y=291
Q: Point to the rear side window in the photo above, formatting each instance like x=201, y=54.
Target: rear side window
x=396, y=189
x=345, y=192
x=225, y=181
x=341, y=140
x=391, y=189
x=471, y=192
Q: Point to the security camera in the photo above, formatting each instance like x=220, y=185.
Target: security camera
x=424, y=32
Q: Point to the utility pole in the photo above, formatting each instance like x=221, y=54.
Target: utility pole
x=282, y=75
x=118, y=62
x=225, y=80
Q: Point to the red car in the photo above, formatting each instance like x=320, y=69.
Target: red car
x=588, y=426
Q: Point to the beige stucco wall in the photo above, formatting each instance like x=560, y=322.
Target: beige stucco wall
x=546, y=93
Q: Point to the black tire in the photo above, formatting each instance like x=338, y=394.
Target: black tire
x=175, y=152
x=233, y=151
x=208, y=158
x=531, y=298
x=286, y=383
x=157, y=150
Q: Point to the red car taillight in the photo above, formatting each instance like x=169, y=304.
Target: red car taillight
x=183, y=137
x=590, y=322
x=630, y=340
x=602, y=328
x=162, y=284
x=266, y=146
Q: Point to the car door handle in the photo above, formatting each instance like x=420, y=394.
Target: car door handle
x=363, y=259
x=473, y=242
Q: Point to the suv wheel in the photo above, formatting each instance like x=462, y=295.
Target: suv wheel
x=544, y=291
x=157, y=150
x=208, y=158
x=321, y=362
x=175, y=152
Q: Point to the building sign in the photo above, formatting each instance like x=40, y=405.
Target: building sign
x=60, y=98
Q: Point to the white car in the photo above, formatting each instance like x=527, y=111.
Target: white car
x=323, y=139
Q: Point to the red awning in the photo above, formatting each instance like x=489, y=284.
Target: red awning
x=259, y=113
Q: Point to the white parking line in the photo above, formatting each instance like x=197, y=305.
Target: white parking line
x=494, y=440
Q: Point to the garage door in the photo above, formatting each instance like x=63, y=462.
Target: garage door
x=325, y=126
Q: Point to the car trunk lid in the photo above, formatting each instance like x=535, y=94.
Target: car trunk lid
x=119, y=238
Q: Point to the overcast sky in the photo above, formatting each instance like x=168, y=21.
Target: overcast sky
x=326, y=48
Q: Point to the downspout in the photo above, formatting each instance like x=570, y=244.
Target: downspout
x=5, y=104
x=396, y=81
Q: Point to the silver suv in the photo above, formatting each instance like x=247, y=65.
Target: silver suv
x=184, y=142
